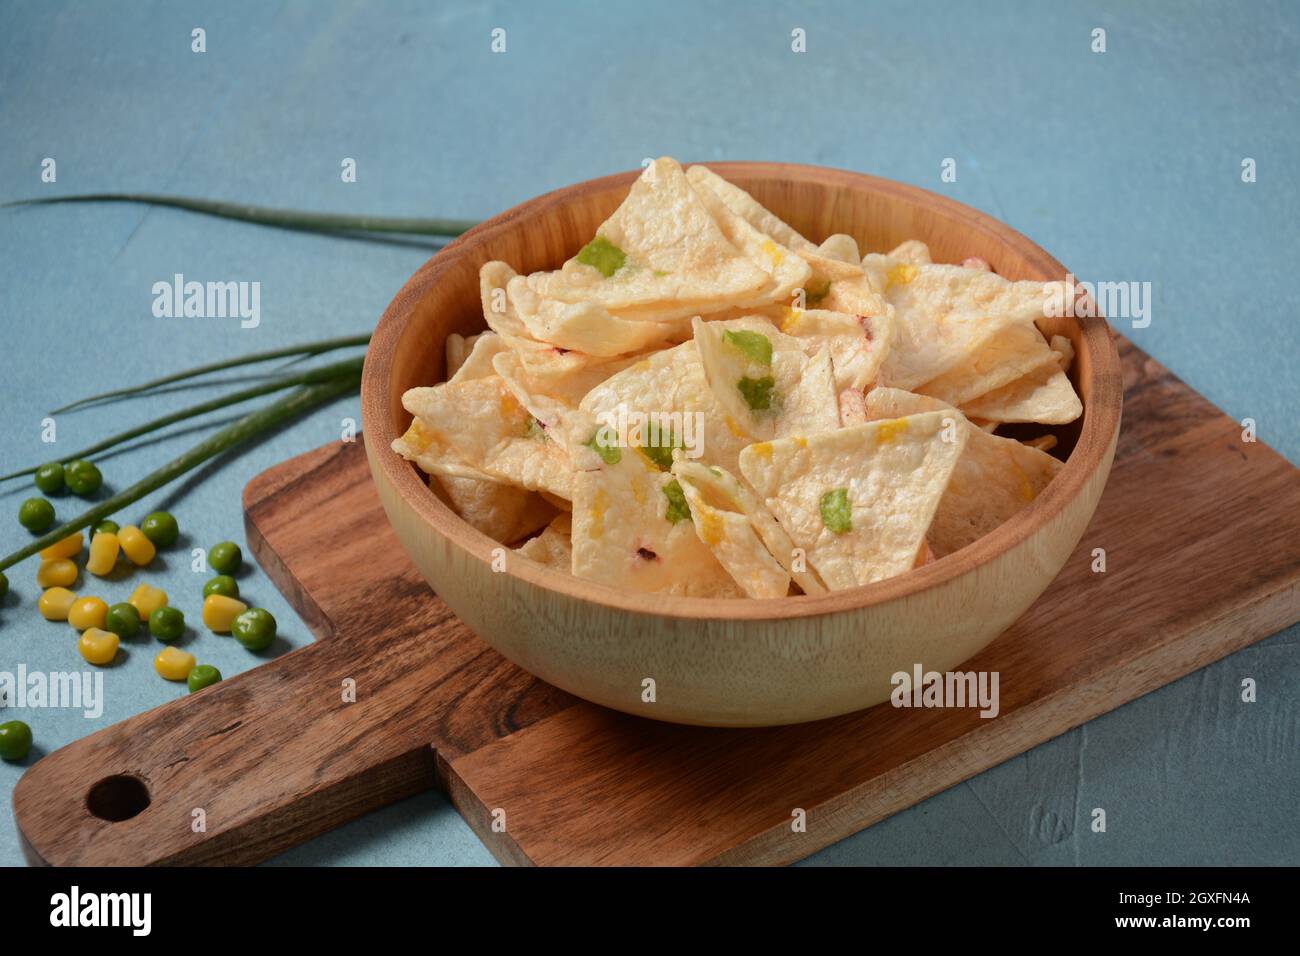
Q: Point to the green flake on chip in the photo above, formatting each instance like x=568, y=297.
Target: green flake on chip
x=603, y=255
x=660, y=448
x=757, y=392
x=813, y=296
x=753, y=345
x=678, y=509
x=837, y=515
x=609, y=453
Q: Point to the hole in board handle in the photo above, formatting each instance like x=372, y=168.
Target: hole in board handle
x=116, y=798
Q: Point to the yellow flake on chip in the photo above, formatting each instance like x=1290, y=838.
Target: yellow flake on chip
x=709, y=526
x=890, y=430
x=900, y=274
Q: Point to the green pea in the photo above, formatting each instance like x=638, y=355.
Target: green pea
x=225, y=558
x=82, y=478
x=49, y=478
x=161, y=529
x=167, y=624
x=203, y=675
x=4, y=584
x=254, y=628
x=15, y=740
x=107, y=527
x=222, y=584
x=36, y=515
x=123, y=620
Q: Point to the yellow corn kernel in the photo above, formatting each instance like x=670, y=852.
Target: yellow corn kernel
x=103, y=554
x=98, y=647
x=87, y=612
x=55, y=604
x=136, y=546
x=172, y=663
x=146, y=599
x=67, y=548
x=219, y=612
x=58, y=573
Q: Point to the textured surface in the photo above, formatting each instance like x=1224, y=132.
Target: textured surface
x=1126, y=165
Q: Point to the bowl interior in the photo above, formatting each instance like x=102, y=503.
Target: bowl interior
x=408, y=349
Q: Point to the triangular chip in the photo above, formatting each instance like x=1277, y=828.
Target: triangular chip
x=748, y=208
x=994, y=478
x=457, y=348
x=719, y=491
x=913, y=251
x=669, y=383
x=1012, y=353
x=1044, y=395
x=500, y=511
x=582, y=326
x=555, y=371
x=731, y=536
x=858, y=500
x=567, y=388
x=477, y=359
x=553, y=547
x=858, y=343
x=945, y=314
x=491, y=431
x=765, y=381
x=841, y=247
x=660, y=246
x=632, y=530
x=787, y=271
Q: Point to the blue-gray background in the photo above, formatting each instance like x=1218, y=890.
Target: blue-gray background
x=1125, y=165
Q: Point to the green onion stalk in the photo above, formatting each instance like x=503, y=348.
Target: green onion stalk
x=250, y=426
x=306, y=350
x=282, y=218
x=325, y=373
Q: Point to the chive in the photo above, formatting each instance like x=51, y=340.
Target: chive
x=283, y=218
x=757, y=392
x=603, y=255
x=678, y=509
x=755, y=346
x=250, y=426
x=837, y=513
x=323, y=374
x=608, y=451
x=306, y=350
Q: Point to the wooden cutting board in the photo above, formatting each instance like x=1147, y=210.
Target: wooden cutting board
x=1202, y=539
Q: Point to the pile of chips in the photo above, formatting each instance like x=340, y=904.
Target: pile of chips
x=703, y=402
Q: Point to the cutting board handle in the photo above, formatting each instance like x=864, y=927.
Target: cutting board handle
x=235, y=773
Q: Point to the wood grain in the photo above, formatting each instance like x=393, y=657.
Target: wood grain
x=1202, y=534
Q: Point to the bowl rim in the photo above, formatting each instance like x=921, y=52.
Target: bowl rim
x=1100, y=425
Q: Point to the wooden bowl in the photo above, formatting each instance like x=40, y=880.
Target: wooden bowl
x=732, y=662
